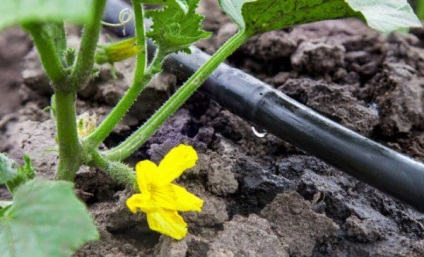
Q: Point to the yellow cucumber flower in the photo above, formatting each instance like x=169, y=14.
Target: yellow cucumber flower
x=159, y=198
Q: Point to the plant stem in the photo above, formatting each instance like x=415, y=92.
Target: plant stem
x=141, y=79
x=70, y=150
x=140, y=136
x=116, y=170
x=85, y=59
x=119, y=111
x=140, y=34
x=47, y=51
x=420, y=9
x=58, y=35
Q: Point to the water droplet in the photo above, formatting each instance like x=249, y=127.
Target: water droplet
x=259, y=132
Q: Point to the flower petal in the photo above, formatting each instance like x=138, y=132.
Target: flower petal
x=187, y=201
x=168, y=222
x=176, y=161
x=143, y=202
x=147, y=174
x=147, y=204
x=164, y=196
x=134, y=202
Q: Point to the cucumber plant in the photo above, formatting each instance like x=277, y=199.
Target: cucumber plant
x=28, y=224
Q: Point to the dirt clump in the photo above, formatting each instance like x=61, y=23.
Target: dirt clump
x=290, y=216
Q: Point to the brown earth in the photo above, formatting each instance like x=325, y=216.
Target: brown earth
x=263, y=197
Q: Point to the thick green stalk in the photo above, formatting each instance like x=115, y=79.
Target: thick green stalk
x=120, y=172
x=140, y=34
x=85, y=60
x=420, y=9
x=141, y=79
x=58, y=34
x=47, y=51
x=140, y=136
x=70, y=150
x=119, y=111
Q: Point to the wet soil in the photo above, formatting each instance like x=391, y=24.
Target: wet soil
x=263, y=197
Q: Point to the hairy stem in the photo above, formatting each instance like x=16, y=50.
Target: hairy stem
x=58, y=34
x=140, y=136
x=118, y=171
x=85, y=59
x=70, y=150
x=420, y=9
x=119, y=111
x=140, y=34
x=47, y=51
x=141, y=79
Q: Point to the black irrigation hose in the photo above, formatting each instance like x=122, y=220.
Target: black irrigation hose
x=260, y=104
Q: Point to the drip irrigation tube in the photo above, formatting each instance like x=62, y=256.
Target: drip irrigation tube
x=262, y=105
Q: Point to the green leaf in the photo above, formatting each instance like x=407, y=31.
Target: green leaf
x=386, y=15
x=233, y=9
x=180, y=3
x=27, y=171
x=4, y=206
x=173, y=30
x=260, y=16
x=8, y=170
x=31, y=11
x=46, y=219
x=12, y=175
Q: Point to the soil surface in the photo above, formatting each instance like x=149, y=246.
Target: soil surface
x=263, y=197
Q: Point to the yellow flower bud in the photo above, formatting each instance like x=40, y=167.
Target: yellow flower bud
x=116, y=52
